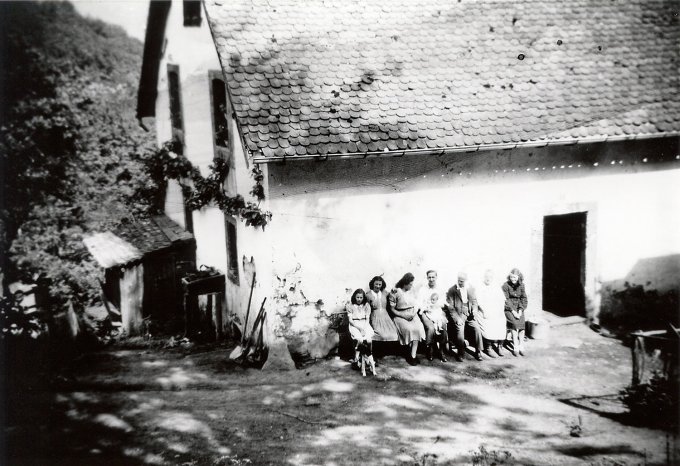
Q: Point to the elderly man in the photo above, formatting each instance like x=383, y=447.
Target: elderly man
x=461, y=306
x=430, y=304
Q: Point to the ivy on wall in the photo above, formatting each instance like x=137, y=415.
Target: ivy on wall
x=199, y=191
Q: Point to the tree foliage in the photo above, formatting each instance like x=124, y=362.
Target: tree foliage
x=168, y=163
x=71, y=152
x=655, y=403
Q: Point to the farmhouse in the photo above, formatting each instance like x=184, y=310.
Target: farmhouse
x=410, y=135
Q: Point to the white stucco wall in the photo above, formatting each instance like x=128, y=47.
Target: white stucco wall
x=193, y=51
x=344, y=221
x=472, y=212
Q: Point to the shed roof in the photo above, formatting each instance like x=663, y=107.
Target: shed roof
x=110, y=250
x=130, y=242
x=321, y=77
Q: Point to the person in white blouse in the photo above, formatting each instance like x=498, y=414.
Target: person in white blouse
x=491, y=315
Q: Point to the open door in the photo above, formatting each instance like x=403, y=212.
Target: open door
x=564, y=252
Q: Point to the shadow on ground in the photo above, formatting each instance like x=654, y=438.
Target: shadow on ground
x=170, y=407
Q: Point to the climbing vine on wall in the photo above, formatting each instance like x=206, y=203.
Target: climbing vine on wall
x=258, y=190
x=199, y=191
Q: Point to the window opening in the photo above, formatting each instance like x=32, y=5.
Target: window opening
x=192, y=13
x=219, y=109
x=175, y=97
x=232, y=253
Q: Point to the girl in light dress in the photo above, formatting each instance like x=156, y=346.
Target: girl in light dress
x=358, y=314
x=381, y=322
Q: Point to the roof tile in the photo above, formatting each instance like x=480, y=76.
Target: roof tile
x=414, y=73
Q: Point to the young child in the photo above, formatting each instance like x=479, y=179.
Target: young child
x=358, y=314
x=436, y=314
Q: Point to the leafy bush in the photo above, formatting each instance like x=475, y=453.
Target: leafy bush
x=71, y=151
x=637, y=308
x=654, y=403
x=50, y=244
x=485, y=457
x=24, y=352
x=15, y=320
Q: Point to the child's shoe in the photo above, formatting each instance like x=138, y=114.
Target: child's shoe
x=442, y=358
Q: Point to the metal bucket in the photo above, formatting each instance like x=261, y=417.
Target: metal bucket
x=538, y=330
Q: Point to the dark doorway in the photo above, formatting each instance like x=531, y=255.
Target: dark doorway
x=564, y=254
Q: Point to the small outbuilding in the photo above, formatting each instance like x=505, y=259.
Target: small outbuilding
x=144, y=262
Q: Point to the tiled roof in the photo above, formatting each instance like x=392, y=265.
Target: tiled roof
x=143, y=234
x=343, y=76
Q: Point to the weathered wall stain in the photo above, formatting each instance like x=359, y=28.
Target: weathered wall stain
x=303, y=324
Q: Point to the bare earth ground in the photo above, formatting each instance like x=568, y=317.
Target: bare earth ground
x=169, y=407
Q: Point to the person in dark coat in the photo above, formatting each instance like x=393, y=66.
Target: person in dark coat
x=515, y=304
x=461, y=306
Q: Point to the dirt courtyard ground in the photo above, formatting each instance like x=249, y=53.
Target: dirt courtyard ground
x=194, y=408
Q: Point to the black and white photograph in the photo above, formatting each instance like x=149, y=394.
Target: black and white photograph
x=340, y=232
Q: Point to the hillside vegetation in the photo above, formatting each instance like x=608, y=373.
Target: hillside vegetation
x=71, y=152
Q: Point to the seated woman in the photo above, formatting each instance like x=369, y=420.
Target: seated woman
x=515, y=304
x=403, y=306
x=358, y=314
x=382, y=324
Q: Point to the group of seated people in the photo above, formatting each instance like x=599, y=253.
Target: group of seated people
x=439, y=318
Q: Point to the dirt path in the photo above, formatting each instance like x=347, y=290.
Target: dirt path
x=167, y=407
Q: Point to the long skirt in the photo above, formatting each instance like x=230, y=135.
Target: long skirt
x=382, y=324
x=409, y=330
x=493, y=324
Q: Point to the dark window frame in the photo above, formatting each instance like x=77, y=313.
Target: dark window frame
x=192, y=13
x=221, y=136
x=177, y=128
x=231, y=238
x=188, y=217
x=175, y=104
